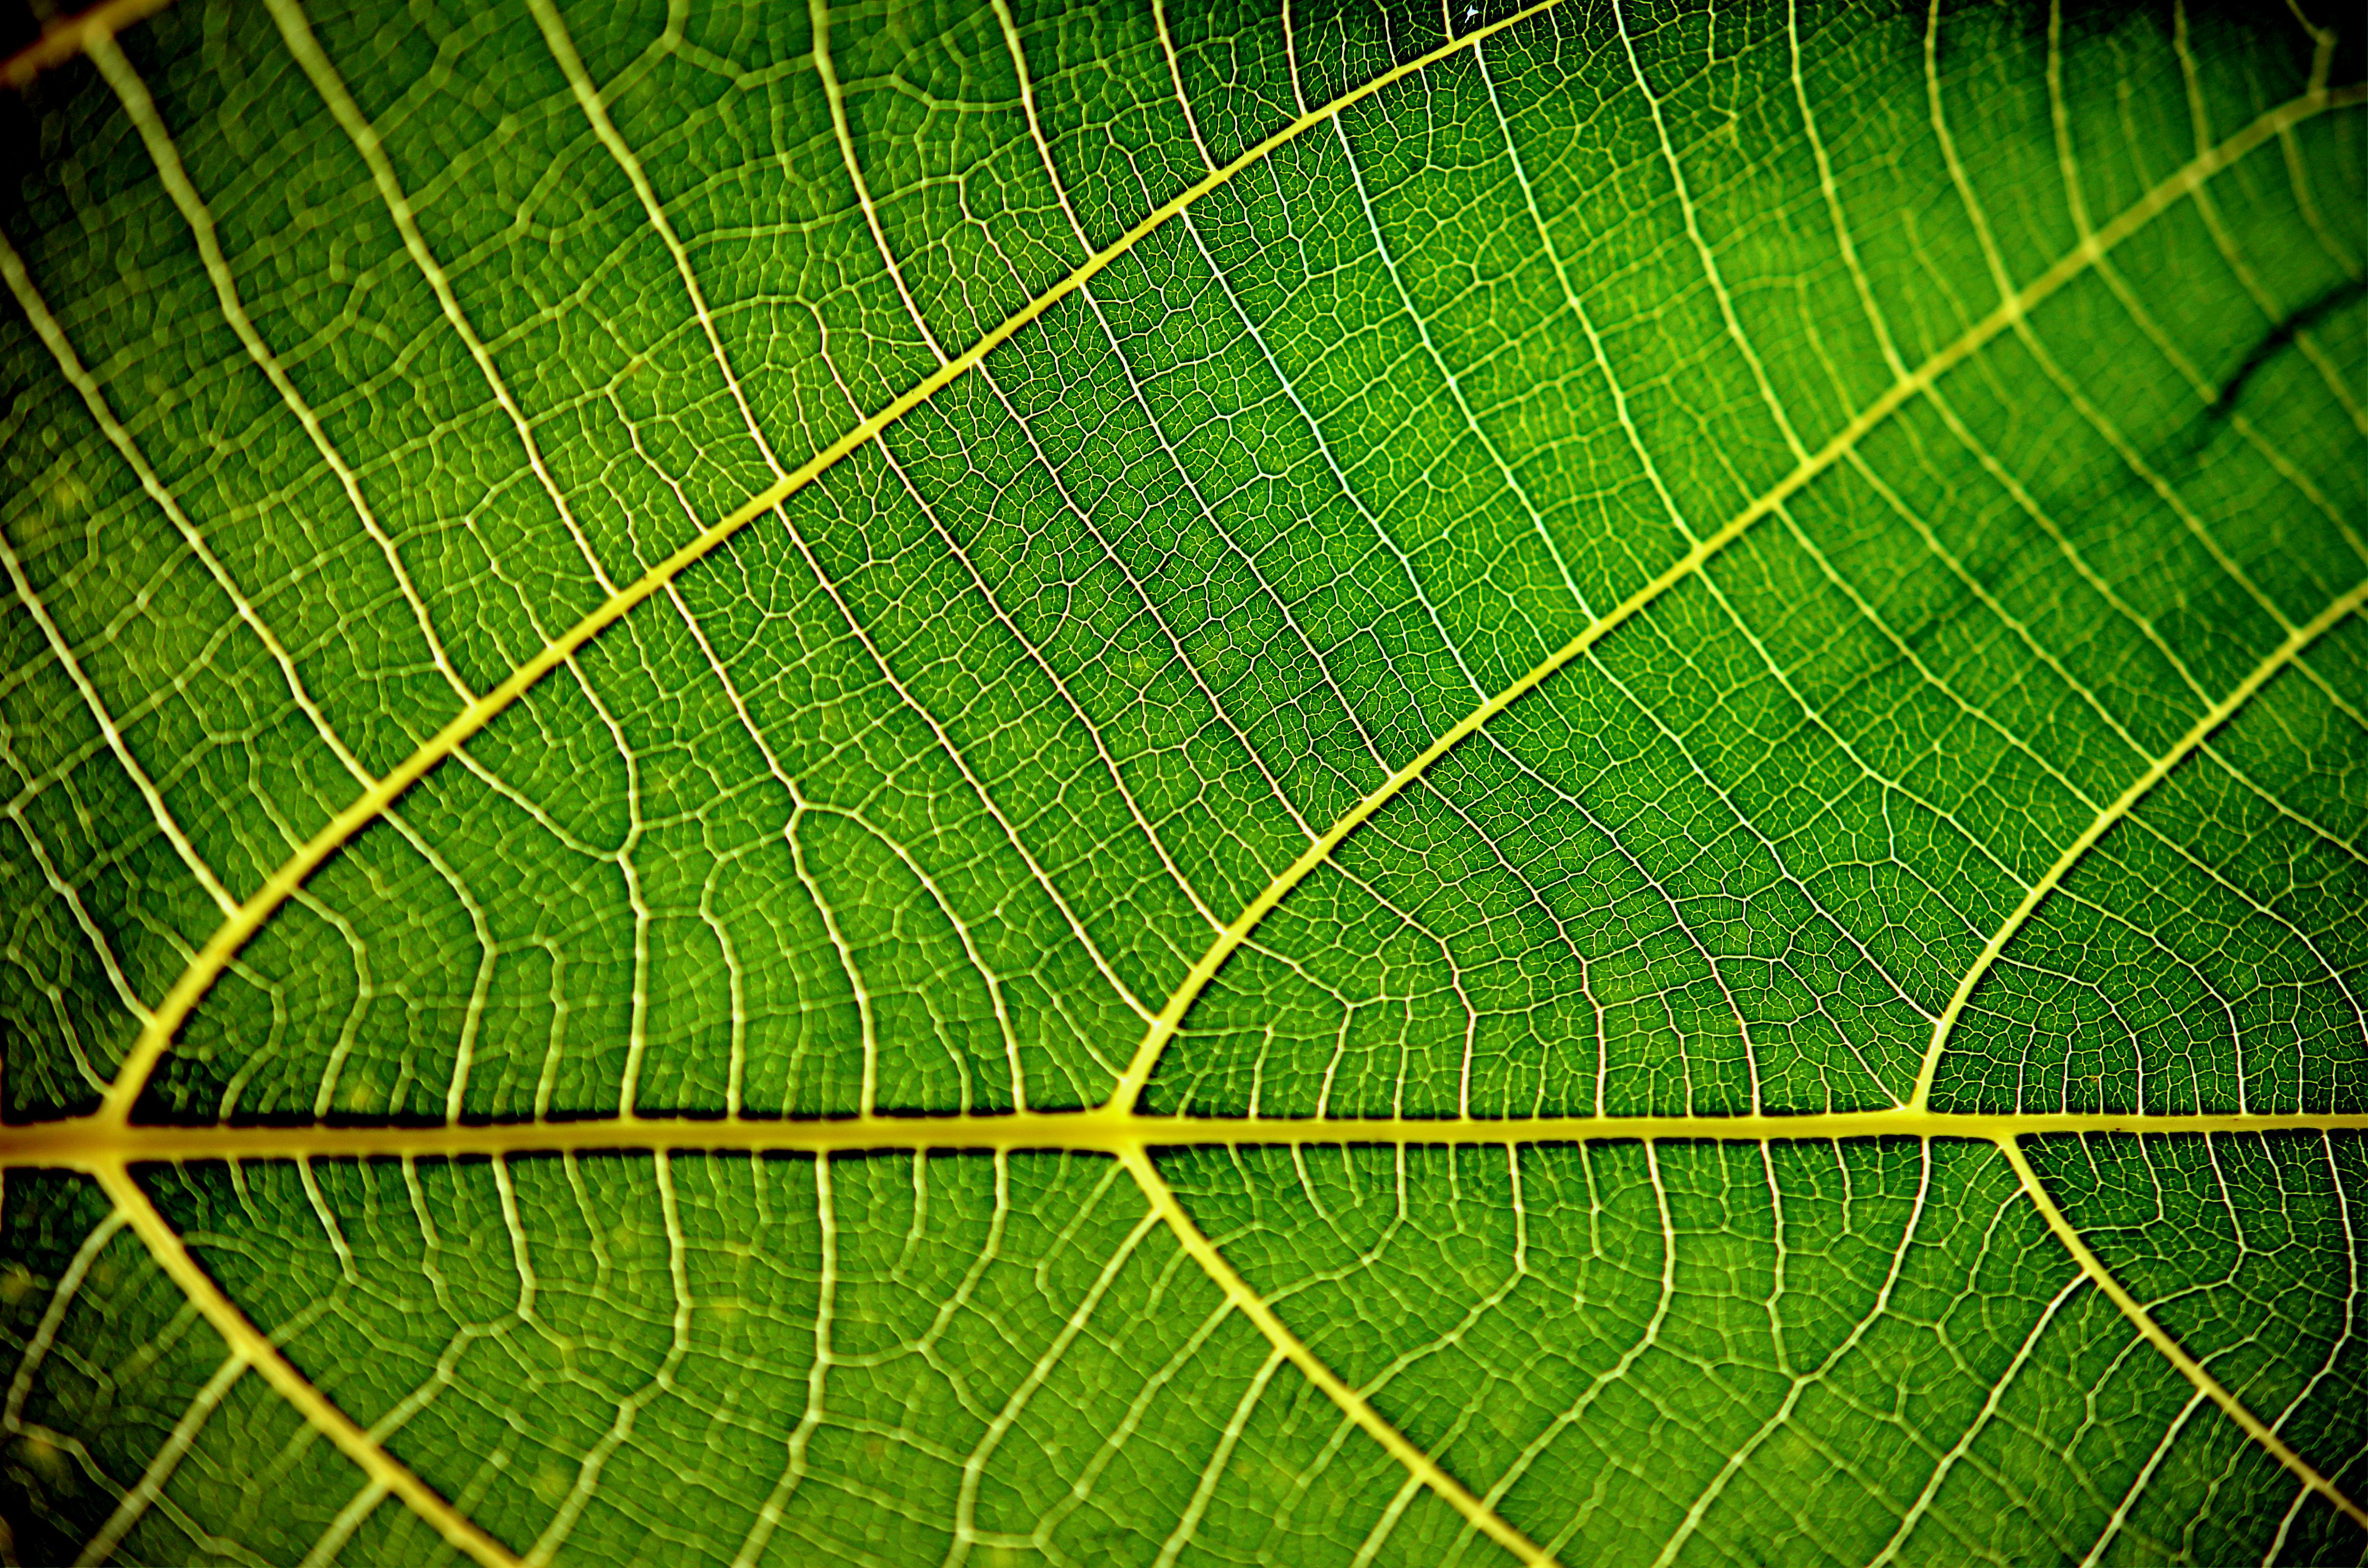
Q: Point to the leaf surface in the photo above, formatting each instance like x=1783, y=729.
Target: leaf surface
x=997, y=784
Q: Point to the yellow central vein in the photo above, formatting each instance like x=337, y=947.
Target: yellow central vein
x=103, y=1144
x=2219, y=713
x=1353, y=1404
x=107, y=1152
x=85, y=1143
x=156, y=1035
x=2159, y=1337
x=2008, y=313
x=249, y=1345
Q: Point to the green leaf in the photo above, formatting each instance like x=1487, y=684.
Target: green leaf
x=1345, y=785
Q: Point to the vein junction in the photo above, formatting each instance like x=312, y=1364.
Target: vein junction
x=91, y=1145
x=111, y=1154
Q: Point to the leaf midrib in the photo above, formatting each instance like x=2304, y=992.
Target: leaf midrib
x=1133, y=1139
x=85, y=1144
x=109, y=1144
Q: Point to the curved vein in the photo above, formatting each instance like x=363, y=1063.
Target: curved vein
x=2219, y=713
x=249, y=1347
x=2205, y=1384
x=1124, y=1134
x=156, y=1035
x=2009, y=315
x=1418, y=1464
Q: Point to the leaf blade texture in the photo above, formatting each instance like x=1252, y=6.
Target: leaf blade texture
x=976, y=784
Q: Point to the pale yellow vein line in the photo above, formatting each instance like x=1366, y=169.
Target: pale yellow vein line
x=82, y=1143
x=2134, y=307
x=827, y=70
x=1212, y=1473
x=53, y=336
x=596, y=111
x=62, y=40
x=61, y=650
x=141, y=106
x=141, y=111
x=2095, y=417
x=54, y=1316
x=2323, y=44
x=296, y=32
x=332, y=1541
x=867, y=1027
x=2330, y=376
x=248, y=1344
x=62, y=887
x=967, y=1533
x=825, y=1357
x=161, y=1465
x=834, y=94
x=1354, y=1406
x=1779, y=1419
x=156, y=1035
x=1018, y=52
x=2009, y=314
x=1957, y=1451
x=2219, y=713
x=1176, y=76
x=1163, y=1027
x=2157, y=1336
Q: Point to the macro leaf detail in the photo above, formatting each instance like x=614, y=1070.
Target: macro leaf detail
x=983, y=783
